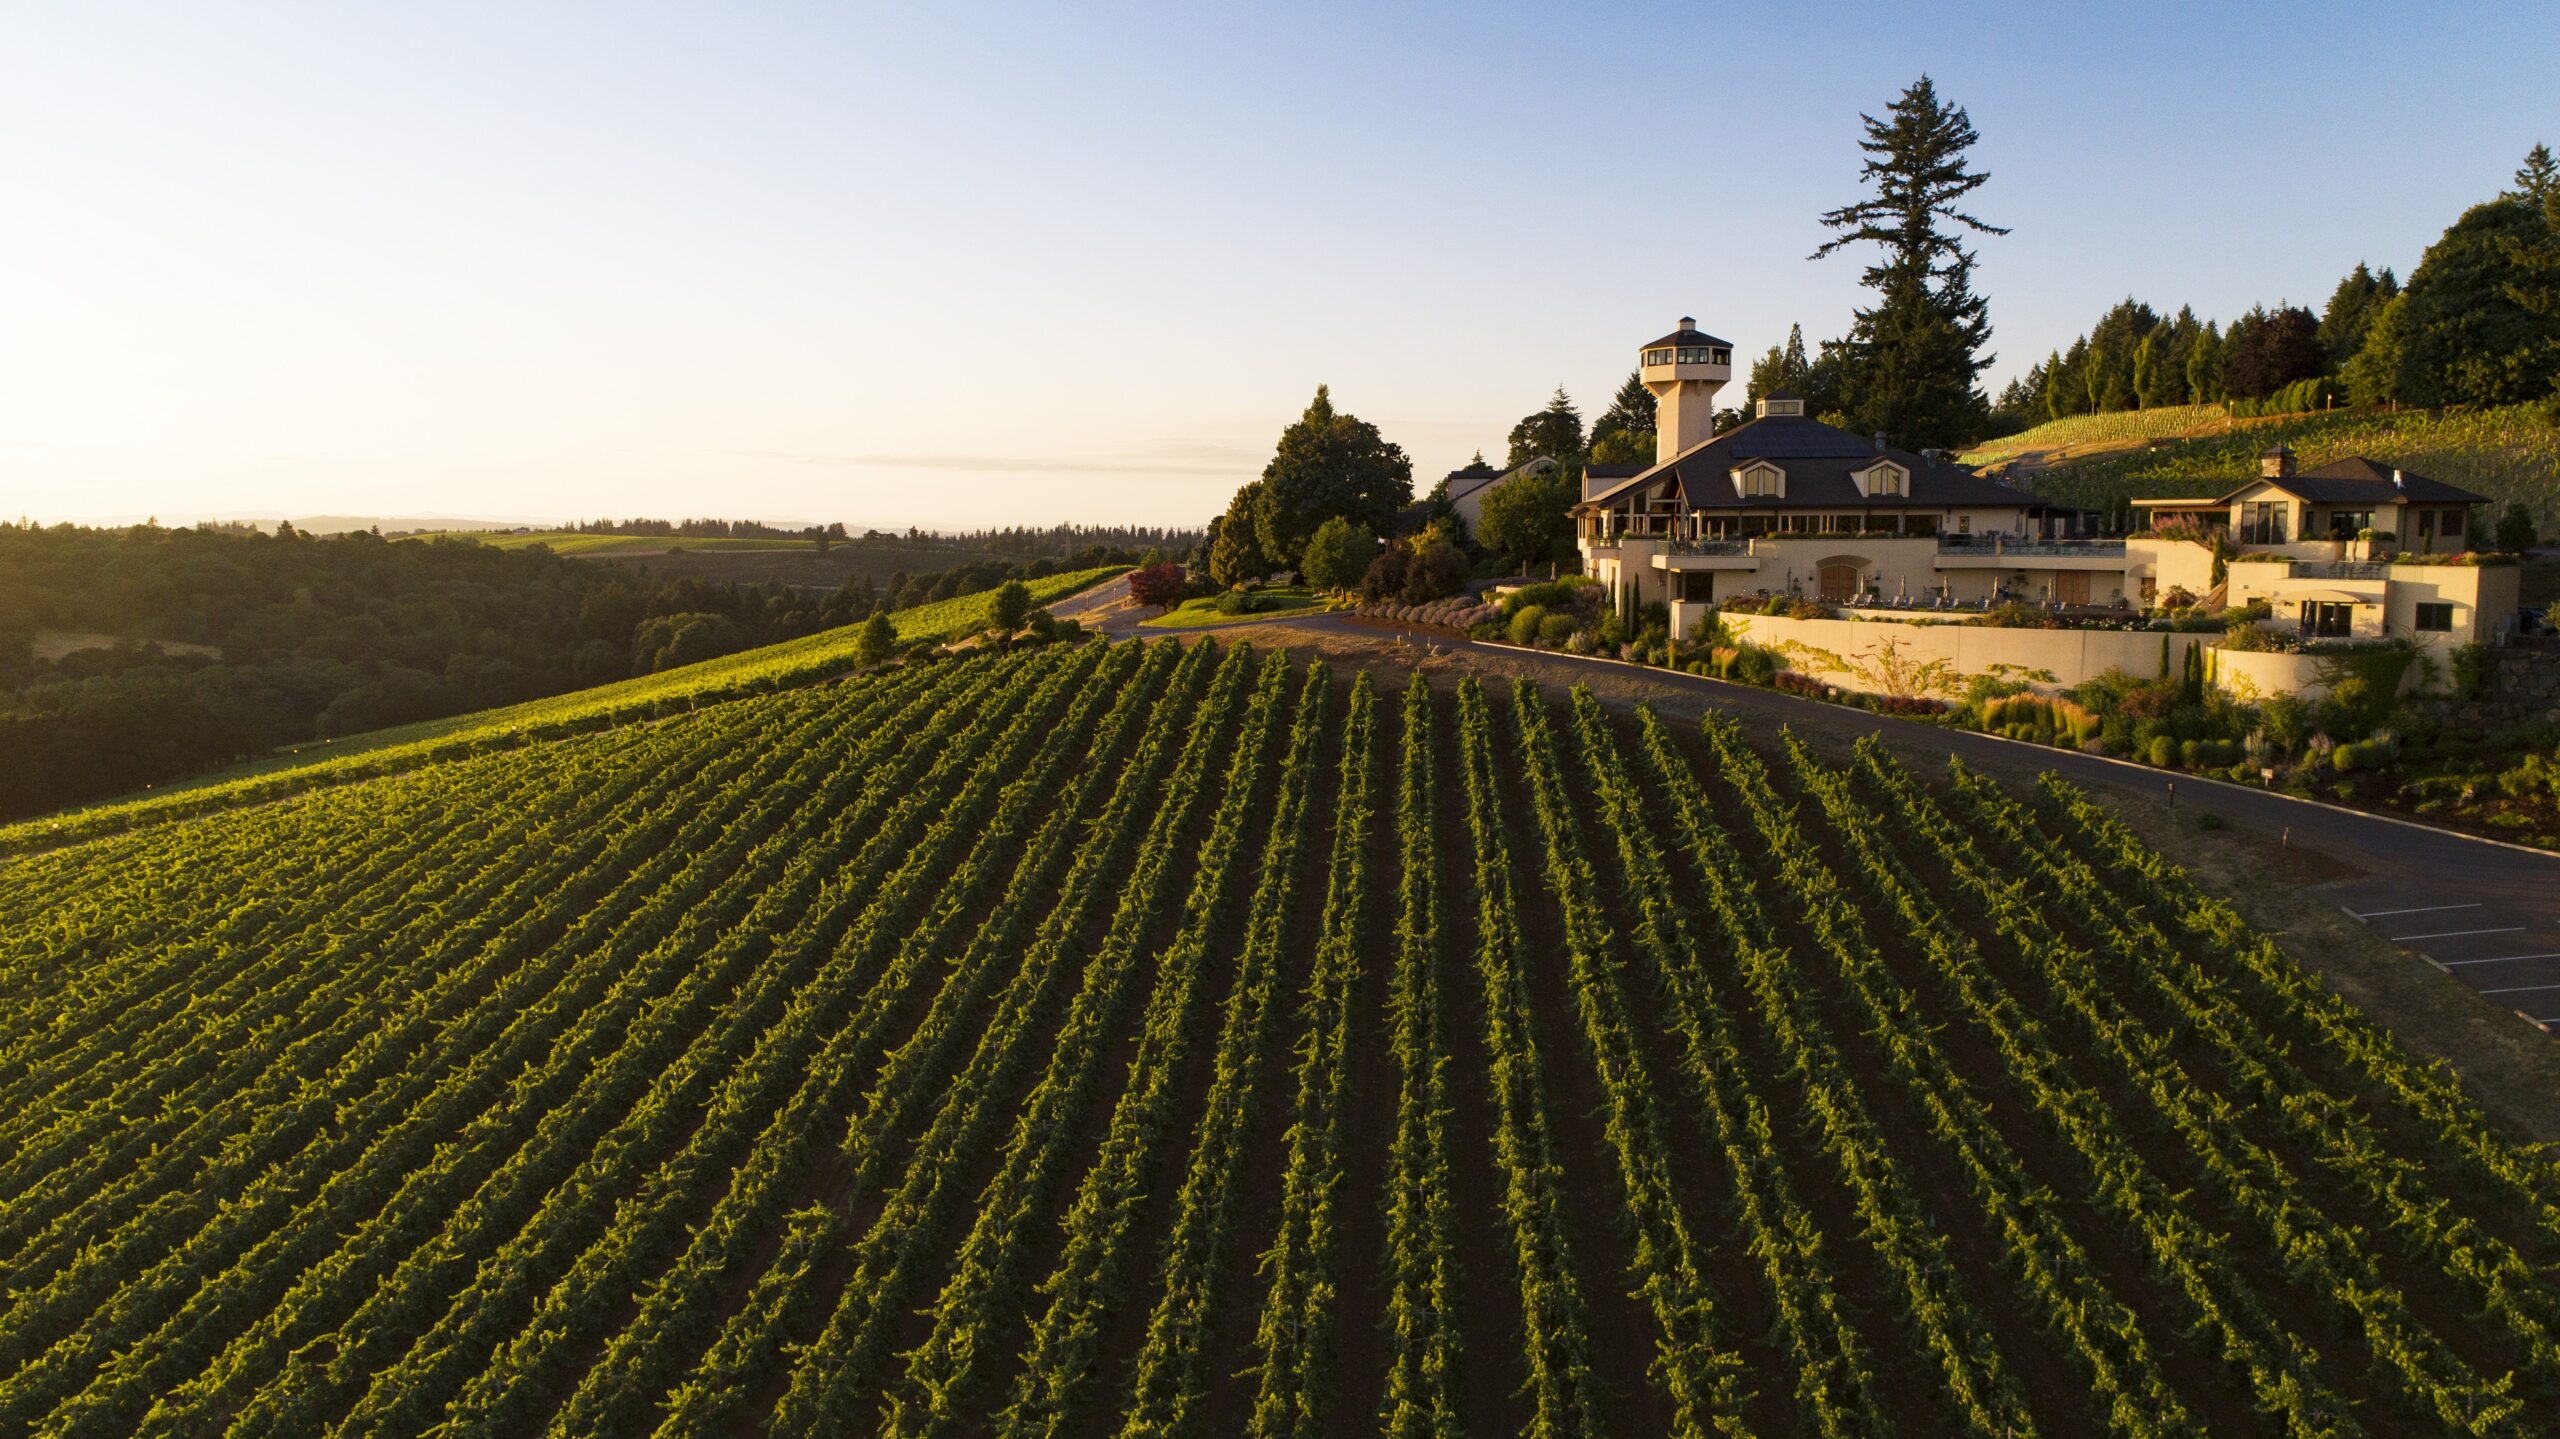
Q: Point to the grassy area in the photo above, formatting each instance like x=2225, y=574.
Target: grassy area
x=1267, y=604
x=384, y=751
x=2508, y=454
x=2084, y=434
x=567, y=542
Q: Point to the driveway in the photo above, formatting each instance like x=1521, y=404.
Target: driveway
x=2486, y=913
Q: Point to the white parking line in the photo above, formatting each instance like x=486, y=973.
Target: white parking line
x=2421, y=909
x=2494, y=959
x=2454, y=933
x=2522, y=989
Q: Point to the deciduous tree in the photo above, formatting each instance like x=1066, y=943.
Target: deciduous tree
x=1524, y=518
x=1338, y=553
x=1327, y=464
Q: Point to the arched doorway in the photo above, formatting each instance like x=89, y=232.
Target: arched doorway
x=1839, y=580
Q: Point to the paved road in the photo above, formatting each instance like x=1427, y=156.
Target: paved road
x=2487, y=913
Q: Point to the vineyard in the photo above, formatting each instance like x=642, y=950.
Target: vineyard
x=1151, y=1040
x=2511, y=455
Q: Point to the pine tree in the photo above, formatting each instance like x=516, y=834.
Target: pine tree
x=1554, y=432
x=2352, y=306
x=2204, y=365
x=1919, y=349
x=2539, y=178
x=1631, y=411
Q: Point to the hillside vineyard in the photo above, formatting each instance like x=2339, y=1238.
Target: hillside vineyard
x=1150, y=1040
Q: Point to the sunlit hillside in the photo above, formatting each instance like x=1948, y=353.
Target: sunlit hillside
x=2100, y=461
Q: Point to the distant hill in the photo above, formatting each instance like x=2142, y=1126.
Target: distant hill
x=2100, y=461
x=303, y=766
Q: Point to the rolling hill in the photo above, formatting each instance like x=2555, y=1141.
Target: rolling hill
x=1155, y=1040
x=2100, y=461
x=383, y=751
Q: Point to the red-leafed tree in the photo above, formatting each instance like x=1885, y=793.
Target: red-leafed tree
x=1162, y=586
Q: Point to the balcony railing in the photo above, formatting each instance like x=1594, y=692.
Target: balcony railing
x=2340, y=570
x=2004, y=545
x=1711, y=547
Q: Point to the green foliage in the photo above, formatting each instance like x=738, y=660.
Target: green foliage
x=1338, y=553
x=2515, y=533
x=1012, y=605
x=1631, y=414
x=1524, y=519
x=1916, y=354
x=977, y=1046
x=2479, y=327
x=1236, y=555
x=1552, y=433
x=1327, y=464
x=877, y=641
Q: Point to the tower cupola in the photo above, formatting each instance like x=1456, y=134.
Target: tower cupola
x=1684, y=369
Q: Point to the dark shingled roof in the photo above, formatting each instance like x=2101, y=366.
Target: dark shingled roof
x=1819, y=460
x=2359, y=481
x=1685, y=337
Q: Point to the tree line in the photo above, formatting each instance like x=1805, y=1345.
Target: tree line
x=2477, y=324
x=312, y=637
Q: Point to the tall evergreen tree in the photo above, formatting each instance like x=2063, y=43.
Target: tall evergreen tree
x=1918, y=351
x=2204, y=365
x=1554, y=432
x=2065, y=392
x=1631, y=412
x=2351, y=309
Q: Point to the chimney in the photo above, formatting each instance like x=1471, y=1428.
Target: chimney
x=2276, y=464
x=2398, y=481
x=1879, y=442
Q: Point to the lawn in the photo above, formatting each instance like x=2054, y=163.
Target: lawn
x=1267, y=604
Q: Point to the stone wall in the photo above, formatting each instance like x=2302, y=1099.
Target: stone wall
x=2522, y=686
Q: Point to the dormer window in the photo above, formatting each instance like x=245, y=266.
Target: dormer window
x=1759, y=480
x=1885, y=478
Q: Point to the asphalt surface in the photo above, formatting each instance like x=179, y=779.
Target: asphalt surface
x=2486, y=913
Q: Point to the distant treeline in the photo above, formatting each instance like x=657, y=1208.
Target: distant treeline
x=317, y=637
x=1056, y=541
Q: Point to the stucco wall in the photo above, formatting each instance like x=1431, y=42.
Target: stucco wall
x=2258, y=674
x=1853, y=654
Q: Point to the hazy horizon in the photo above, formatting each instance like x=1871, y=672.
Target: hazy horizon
x=985, y=266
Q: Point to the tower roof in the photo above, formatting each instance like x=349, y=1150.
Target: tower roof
x=1687, y=334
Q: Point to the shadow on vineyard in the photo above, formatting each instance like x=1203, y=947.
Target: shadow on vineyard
x=1153, y=1039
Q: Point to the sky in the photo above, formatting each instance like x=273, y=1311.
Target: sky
x=955, y=265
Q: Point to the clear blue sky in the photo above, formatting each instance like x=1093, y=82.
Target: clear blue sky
x=957, y=264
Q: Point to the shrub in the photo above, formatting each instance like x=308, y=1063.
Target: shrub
x=1750, y=664
x=1555, y=629
x=1162, y=586
x=1435, y=572
x=1572, y=592
x=1525, y=622
x=2164, y=752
